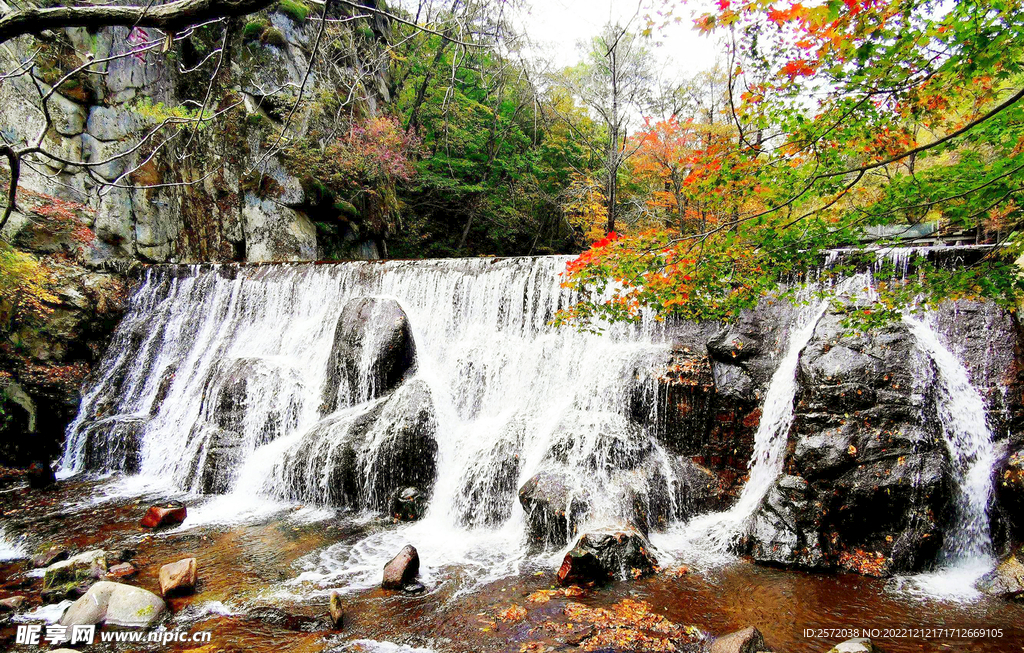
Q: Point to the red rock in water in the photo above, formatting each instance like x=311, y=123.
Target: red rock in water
x=166, y=515
x=123, y=570
x=402, y=569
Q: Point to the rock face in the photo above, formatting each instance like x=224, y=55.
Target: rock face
x=178, y=578
x=40, y=475
x=621, y=554
x=168, y=514
x=114, y=604
x=748, y=640
x=371, y=333
x=402, y=570
x=867, y=479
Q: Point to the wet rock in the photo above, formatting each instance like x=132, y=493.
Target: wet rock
x=40, y=475
x=695, y=489
x=168, y=514
x=49, y=556
x=748, y=640
x=13, y=603
x=619, y=553
x=114, y=444
x=553, y=507
x=1007, y=579
x=373, y=330
x=408, y=504
x=224, y=451
x=858, y=645
x=361, y=461
x=681, y=404
x=336, y=611
x=1010, y=490
x=294, y=622
x=402, y=569
x=733, y=346
x=84, y=566
x=731, y=381
x=178, y=578
x=785, y=526
x=122, y=570
x=599, y=440
x=115, y=604
x=116, y=556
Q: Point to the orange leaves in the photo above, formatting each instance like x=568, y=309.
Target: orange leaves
x=864, y=562
x=798, y=68
x=781, y=16
x=513, y=613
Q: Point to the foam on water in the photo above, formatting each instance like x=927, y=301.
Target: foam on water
x=10, y=548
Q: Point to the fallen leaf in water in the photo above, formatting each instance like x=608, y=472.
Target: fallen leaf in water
x=513, y=613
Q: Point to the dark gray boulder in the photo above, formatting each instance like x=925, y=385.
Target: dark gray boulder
x=734, y=345
x=1007, y=579
x=373, y=331
x=608, y=554
x=408, y=504
x=554, y=507
x=366, y=457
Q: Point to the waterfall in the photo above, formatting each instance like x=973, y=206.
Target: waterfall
x=713, y=534
x=967, y=546
x=215, y=381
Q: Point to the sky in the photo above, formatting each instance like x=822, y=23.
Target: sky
x=558, y=25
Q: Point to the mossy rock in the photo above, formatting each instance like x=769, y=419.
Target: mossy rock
x=297, y=11
x=273, y=36
x=254, y=29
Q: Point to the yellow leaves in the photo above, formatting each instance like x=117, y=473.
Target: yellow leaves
x=852, y=450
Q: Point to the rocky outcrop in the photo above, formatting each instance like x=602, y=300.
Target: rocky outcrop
x=366, y=456
x=616, y=553
x=89, y=565
x=373, y=351
x=867, y=480
x=114, y=604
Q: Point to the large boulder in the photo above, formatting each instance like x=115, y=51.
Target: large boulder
x=1007, y=579
x=608, y=554
x=1010, y=491
x=408, y=504
x=373, y=351
x=360, y=459
x=867, y=485
x=553, y=506
x=115, y=604
x=84, y=566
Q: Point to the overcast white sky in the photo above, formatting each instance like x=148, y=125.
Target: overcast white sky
x=558, y=25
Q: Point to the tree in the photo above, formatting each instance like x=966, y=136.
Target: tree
x=848, y=114
x=614, y=81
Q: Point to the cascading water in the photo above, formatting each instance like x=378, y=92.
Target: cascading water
x=713, y=534
x=235, y=382
x=215, y=383
x=967, y=546
x=9, y=548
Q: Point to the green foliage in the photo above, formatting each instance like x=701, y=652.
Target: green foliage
x=297, y=11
